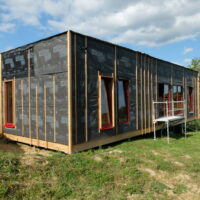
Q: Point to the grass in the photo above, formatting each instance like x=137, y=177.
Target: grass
x=138, y=169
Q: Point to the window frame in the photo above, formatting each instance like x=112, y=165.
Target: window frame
x=6, y=123
x=191, y=99
x=169, y=96
x=177, y=98
x=127, y=100
x=112, y=103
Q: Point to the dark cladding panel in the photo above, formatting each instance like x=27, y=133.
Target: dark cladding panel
x=164, y=71
x=61, y=108
x=50, y=56
x=80, y=90
x=100, y=58
x=177, y=75
x=15, y=64
x=126, y=66
x=139, y=89
x=126, y=62
x=189, y=74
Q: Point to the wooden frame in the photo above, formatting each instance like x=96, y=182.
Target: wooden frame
x=112, y=103
x=1, y=110
x=13, y=124
x=127, y=100
x=143, y=70
x=69, y=62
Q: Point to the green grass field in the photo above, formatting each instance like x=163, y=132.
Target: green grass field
x=138, y=169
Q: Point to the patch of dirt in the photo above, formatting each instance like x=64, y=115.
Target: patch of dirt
x=115, y=151
x=98, y=159
x=9, y=146
x=179, y=164
x=31, y=154
x=187, y=156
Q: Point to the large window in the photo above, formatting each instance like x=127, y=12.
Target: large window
x=106, y=103
x=164, y=94
x=190, y=99
x=123, y=101
x=9, y=104
x=178, y=96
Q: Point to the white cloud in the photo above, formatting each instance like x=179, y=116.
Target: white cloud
x=149, y=23
x=187, y=60
x=187, y=50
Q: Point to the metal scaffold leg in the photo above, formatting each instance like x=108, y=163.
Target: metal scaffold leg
x=185, y=128
x=154, y=126
x=167, y=132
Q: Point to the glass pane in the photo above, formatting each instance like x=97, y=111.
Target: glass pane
x=166, y=92
x=9, y=102
x=174, y=92
x=105, y=102
x=122, y=107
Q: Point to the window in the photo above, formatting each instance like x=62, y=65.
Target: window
x=9, y=104
x=190, y=99
x=106, y=103
x=164, y=94
x=123, y=102
x=178, y=96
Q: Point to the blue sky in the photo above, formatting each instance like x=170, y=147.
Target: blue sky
x=165, y=29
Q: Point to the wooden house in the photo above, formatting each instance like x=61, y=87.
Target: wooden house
x=72, y=92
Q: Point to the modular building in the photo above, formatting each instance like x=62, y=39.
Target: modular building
x=72, y=92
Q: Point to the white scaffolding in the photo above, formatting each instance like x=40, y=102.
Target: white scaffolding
x=169, y=113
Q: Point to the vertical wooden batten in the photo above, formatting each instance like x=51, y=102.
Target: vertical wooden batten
x=69, y=89
x=136, y=89
x=22, y=106
x=144, y=89
x=151, y=90
x=29, y=96
x=1, y=120
x=141, y=95
x=75, y=91
x=14, y=101
x=54, y=108
x=36, y=114
x=115, y=91
x=149, y=96
x=45, y=115
x=86, y=89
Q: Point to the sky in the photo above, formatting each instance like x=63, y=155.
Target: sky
x=167, y=29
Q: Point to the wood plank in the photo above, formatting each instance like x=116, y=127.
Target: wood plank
x=144, y=89
x=99, y=103
x=54, y=108
x=115, y=92
x=45, y=116
x=36, y=115
x=22, y=106
x=136, y=90
x=75, y=91
x=69, y=63
x=113, y=101
x=151, y=91
x=141, y=94
x=1, y=110
x=86, y=91
x=29, y=95
x=14, y=101
x=39, y=143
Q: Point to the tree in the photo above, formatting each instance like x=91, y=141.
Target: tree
x=195, y=64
